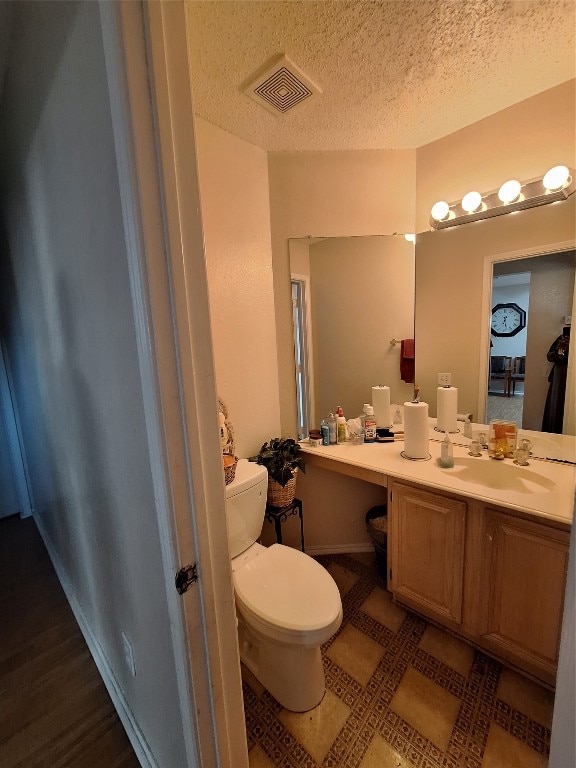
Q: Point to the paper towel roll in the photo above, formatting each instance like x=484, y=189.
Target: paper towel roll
x=447, y=409
x=416, y=430
x=381, y=403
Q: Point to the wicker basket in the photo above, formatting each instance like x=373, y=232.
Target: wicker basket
x=282, y=496
x=230, y=464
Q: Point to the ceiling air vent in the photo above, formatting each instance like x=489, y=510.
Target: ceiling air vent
x=281, y=86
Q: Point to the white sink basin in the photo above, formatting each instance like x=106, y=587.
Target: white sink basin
x=500, y=475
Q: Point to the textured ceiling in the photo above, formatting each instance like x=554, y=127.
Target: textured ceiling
x=393, y=73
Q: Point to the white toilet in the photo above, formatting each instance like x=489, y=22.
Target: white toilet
x=287, y=604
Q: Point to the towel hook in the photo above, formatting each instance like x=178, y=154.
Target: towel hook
x=393, y=342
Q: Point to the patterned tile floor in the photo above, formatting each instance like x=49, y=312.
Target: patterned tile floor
x=400, y=693
x=505, y=408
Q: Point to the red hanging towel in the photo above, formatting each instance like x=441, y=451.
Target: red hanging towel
x=407, y=360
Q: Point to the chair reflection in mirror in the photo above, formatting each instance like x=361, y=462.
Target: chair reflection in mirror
x=518, y=371
x=500, y=370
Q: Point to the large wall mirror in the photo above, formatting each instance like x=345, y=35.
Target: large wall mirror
x=360, y=293
x=353, y=297
x=455, y=294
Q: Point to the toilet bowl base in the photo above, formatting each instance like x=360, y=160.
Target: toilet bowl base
x=293, y=674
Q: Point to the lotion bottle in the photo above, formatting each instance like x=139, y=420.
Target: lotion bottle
x=369, y=424
x=342, y=431
x=446, y=452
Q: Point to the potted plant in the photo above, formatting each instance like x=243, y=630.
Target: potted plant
x=280, y=456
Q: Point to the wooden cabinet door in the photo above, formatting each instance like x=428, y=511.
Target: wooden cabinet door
x=426, y=543
x=522, y=590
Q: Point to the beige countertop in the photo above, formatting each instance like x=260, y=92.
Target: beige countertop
x=543, y=488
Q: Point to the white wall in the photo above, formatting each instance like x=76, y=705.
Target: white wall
x=300, y=257
x=233, y=178
x=69, y=332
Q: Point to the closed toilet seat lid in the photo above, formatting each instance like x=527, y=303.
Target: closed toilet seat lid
x=288, y=589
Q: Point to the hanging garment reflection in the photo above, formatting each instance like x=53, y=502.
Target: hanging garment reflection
x=554, y=407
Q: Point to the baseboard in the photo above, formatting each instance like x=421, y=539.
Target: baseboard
x=135, y=735
x=339, y=549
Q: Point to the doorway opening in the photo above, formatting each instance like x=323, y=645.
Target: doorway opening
x=531, y=301
x=509, y=332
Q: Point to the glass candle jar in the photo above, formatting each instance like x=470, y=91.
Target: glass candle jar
x=502, y=439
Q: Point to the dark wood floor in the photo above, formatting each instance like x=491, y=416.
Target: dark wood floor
x=54, y=709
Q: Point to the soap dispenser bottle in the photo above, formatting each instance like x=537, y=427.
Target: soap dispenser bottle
x=446, y=452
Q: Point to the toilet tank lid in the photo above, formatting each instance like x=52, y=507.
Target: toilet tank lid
x=248, y=474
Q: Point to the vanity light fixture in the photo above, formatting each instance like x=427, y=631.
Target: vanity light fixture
x=472, y=202
x=556, y=178
x=510, y=191
x=440, y=211
x=557, y=184
x=411, y=238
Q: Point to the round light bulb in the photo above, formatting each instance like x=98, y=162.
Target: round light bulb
x=440, y=210
x=411, y=238
x=556, y=178
x=509, y=191
x=471, y=202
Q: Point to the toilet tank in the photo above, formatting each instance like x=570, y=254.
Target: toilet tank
x=245, y=505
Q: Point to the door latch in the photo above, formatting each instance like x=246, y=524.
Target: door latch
x=185, y=577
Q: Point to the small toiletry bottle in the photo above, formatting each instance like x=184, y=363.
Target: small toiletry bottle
x=342, y=431
x=325, y=432
x=397, y=416
x=332, y=429
x=467, y=428
x=369, y=424
x=446, y=452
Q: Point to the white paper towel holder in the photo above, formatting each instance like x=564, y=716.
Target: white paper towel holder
x=412, y=458
x=404, y=455
x=444, y=381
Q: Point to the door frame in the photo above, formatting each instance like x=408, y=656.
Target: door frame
x=305, y=332
x=489, y=261
x=146, y=56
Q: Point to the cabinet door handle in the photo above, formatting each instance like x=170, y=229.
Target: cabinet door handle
x=489, y=537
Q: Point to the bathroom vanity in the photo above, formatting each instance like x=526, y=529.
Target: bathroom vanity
x=480, y=548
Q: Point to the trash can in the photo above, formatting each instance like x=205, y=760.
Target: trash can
x=377, y=527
